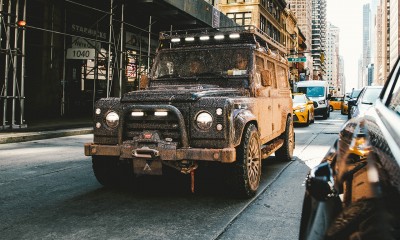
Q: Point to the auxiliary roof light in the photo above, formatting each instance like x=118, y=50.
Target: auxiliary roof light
x=175, y=40
x=234, y=35
x=219, y=37
x=161, y=114
x=137, y=114
x=204, y=38
x=189, y=39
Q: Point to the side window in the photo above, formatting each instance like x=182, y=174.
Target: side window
x=281, y=77
x=271, y=68
x=259, y=64
x=395, y=99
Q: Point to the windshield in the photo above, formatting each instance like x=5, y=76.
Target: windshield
x=370, y=95
x=355, y=93
x=312, y=91
x=201, y=62
x=299, y=98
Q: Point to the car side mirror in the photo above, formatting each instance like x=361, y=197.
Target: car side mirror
x=266, y=78
x=144, y=81
x=319, y=183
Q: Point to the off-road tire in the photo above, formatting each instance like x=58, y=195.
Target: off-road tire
x=285, y=153
x=110, y=171
x=245, y=173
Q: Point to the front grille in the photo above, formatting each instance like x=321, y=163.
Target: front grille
x=166, y=126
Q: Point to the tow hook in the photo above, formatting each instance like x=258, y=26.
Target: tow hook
x=189, y=167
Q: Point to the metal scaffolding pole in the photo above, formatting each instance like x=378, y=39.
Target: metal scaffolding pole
x=6, y=70
x=109, y=49
x=14, y=63
x=22, y=102
x=121, y=59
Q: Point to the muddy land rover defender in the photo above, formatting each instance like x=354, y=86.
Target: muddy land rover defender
x=212, y=96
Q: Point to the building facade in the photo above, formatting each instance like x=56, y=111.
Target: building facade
x=302, y=9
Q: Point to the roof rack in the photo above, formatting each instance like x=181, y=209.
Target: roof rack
x=204, y=34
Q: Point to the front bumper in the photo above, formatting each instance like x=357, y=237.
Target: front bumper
x=164, y=153
x=300, y=117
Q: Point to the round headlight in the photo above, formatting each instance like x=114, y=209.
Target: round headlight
x=112, y=119
x=204, y=121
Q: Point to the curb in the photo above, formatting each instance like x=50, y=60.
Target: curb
x=30, y=136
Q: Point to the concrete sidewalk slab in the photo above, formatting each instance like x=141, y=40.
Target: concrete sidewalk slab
x=13, y=137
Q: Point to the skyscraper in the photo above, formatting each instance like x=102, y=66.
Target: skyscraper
x=318, y=38
x=366, y=41
x=302, y=9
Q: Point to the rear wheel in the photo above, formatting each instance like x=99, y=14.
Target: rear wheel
x=285, y=153
x=246, y=171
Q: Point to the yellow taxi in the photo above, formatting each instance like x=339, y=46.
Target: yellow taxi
x=344, y=108
x=303, y=109
x=335, y=103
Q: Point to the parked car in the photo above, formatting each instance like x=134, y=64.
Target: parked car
x=335, y=103
x=303, y=109
x=344, y=105
x=354, y=193
x=367, y=98
x=352, y=100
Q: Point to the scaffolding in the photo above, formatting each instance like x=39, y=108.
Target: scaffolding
x=113, y=60
x=12, y=37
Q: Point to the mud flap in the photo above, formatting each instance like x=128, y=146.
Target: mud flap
x=147, y=167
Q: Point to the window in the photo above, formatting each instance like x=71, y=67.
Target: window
x=241, y=18
x=263, y=23
x=395, y=100
x=271, y=68
x=281, y=77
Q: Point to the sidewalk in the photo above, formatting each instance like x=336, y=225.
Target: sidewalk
x=47, y=129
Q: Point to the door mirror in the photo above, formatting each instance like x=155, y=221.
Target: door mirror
x=144, y=81
x=266, y=78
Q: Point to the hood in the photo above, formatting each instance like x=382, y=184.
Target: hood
x=298, y=105
x=180, y=93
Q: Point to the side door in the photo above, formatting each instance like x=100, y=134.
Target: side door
x=263, y=101
x=284, y=99
x=274, y=94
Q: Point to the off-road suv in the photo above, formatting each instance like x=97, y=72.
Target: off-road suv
x=212, y=96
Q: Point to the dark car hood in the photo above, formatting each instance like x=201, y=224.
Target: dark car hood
x=180, y=93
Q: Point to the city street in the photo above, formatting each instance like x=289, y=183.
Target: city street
x=48, y=191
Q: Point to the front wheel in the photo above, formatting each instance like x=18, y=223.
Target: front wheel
x=110, y=171
x=246, y=171
x=285, y=153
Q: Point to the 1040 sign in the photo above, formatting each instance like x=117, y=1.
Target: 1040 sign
x=80, y=53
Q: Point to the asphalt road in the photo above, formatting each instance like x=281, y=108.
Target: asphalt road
x=48, y=191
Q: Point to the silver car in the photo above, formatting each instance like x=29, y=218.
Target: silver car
x=365, y=100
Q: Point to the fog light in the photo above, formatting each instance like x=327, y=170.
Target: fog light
x=219, y=127
x=98, y=125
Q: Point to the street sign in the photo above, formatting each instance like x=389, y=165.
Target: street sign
x=81, y=53
x=300, y=59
